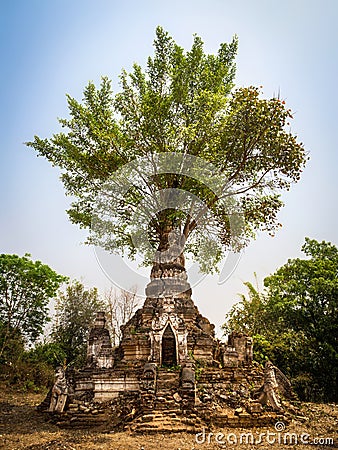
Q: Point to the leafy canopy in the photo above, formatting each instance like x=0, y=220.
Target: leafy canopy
x=294, y=322
x=305, y=292
x=182, y=102
x=26, y=287
x=75, y=309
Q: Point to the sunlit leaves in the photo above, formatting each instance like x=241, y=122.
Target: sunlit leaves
x=26, y=287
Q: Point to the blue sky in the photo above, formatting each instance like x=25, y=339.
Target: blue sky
x=49, y=49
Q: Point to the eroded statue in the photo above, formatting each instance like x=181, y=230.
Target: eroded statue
x=59, y=391
x=275, y=382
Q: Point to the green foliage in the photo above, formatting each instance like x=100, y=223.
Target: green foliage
x=174, y=368
x=181, y=102
x=25, y=290
x=12, y=345
x=295, y=322
x=25, y=375
x=305, y=292
x=50, y=353
x=198, y=373
x=29, y=370
x=76, y=309
x=248, y=315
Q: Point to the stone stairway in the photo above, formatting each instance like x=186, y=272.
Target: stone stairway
x=167, y=385
x=166, y=422
x=166, y=415
x=83, y=415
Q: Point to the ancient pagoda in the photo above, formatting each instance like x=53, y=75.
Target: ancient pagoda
x=169, y=373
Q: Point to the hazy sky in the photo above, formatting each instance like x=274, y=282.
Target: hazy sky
x=49, y=48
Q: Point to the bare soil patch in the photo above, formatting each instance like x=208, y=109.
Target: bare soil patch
x=22, y=427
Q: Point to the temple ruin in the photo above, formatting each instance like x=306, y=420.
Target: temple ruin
x=169, y=373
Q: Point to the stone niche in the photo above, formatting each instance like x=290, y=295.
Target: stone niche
x=237, y=352
x=243, y=346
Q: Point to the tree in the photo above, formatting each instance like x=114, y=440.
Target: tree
x=26, y=288
x=75, y=311
x=249, y=315
x=294, y=322
x=305, y=292
x=120, y=308
x=183, y=103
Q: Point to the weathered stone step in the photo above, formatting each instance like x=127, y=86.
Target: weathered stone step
x=164, y=426
x=158, y=409
x=89, y=417
x=166, y=398
x=168, y=376
x=166, y=393
x=167, y=380
x=167, y=373
x=171, y=404
x=166, y=408
x=159, y=415
x=163, y=396
x=87, y=413
x=167, y=383
x=167, y=402
x=83, y=421
x=165, y=387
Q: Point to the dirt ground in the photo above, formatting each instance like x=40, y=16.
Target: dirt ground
x=22, y=427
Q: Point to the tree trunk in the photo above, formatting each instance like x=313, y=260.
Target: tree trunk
x=168, y=275
x=169, y=253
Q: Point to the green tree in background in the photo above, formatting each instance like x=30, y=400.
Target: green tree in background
x=75, y=312
x=248, y=315
x=182, y=102
x=294, y=322
x=26, y=287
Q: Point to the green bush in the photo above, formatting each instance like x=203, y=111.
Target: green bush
x=50, y=353
x=28, y=376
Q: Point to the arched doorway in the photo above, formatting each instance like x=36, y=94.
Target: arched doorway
x=169, y=355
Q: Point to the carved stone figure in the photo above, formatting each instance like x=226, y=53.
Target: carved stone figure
x=159, y=322
x=149, y=377
x=59, y=391
x=218, y=351
x=274, y=382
